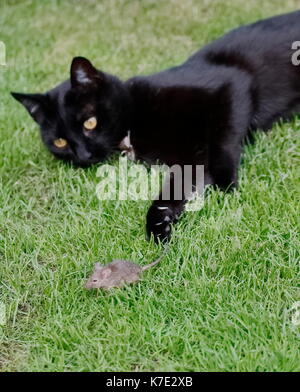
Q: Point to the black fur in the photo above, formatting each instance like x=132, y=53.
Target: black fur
x=197, y=113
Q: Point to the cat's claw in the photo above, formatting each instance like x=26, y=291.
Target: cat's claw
x=159, y=220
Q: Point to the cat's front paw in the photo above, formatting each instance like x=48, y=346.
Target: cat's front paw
x=159, y=222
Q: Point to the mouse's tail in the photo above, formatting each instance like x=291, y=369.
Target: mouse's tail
x=148, y=266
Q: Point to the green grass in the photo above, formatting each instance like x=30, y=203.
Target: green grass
x=221, y=299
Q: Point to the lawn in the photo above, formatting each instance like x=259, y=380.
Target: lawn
x=222, y=299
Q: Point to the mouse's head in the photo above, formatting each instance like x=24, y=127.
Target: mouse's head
x=100, y=278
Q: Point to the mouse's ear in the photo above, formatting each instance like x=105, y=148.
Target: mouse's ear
x=106, y=272
x=98, y=266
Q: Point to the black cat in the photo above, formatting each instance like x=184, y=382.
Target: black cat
x=197, y=113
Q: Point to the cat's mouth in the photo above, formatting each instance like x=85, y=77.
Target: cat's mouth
x=88, y=163
x=77, y=163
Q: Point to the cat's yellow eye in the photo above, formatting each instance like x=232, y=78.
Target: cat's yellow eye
x=90, y=124
x=60, y=143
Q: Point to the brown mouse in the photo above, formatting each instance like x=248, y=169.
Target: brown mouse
x=117, y=274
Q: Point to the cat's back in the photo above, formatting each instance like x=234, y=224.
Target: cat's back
x=252, y=49
x=267, y=37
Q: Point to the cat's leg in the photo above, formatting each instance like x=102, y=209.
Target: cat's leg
x=228, y=133
x=224, y=152
x=223, y=165
x=170, y=204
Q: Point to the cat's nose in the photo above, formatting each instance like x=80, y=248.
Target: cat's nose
x=84, y=155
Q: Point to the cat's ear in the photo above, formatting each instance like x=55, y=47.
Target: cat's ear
x=83, y=73
x=34, y=103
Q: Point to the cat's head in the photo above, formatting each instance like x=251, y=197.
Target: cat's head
x=83, y=119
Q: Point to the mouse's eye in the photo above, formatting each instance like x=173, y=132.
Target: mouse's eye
x=90, y=124
x=60, y=143
x=95, y=280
